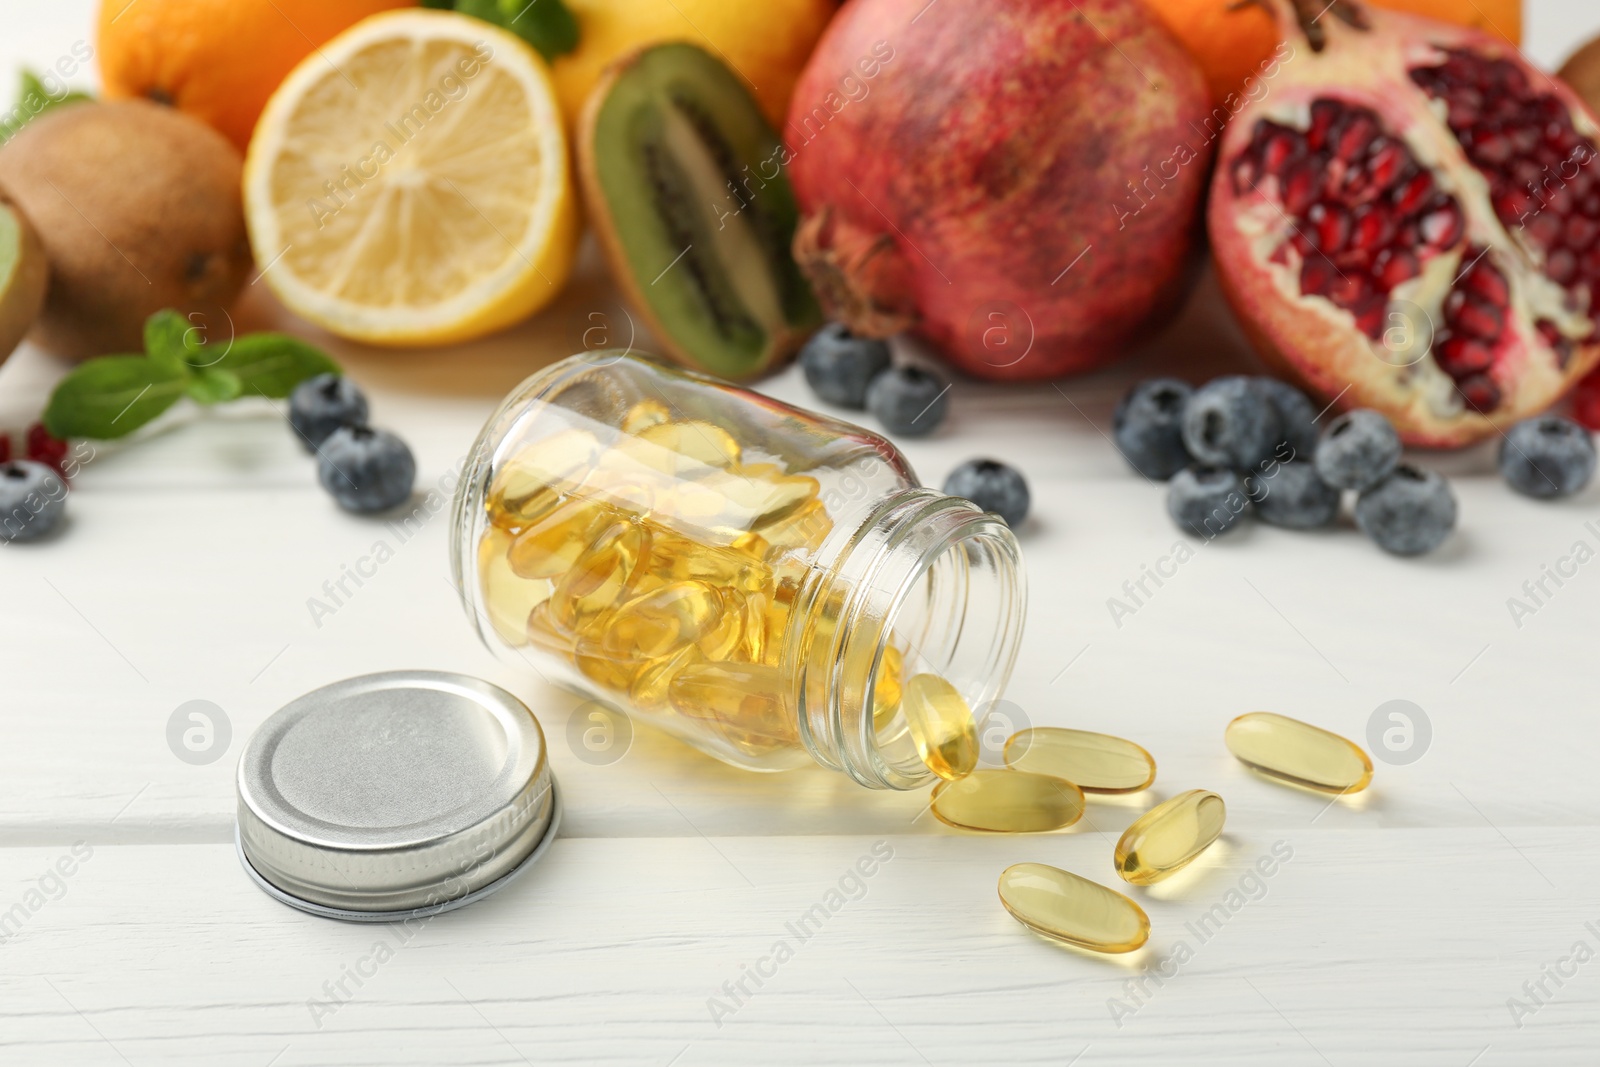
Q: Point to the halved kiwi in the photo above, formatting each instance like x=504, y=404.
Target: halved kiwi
x=684, y=182
x=23, y=277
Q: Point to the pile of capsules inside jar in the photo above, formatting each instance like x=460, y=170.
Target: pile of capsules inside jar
x=663, y=566
x=1042, y=788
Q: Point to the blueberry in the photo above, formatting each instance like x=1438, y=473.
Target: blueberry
x=1297, y=418
x=32, y=500
x=366, y=469
x=1231, y=422
x=908, y=400
x=839, y=365
x=1359, y=448
x=1409, y=512
x=992, y=486
x=320, y=405
x=1547, y=457
x=1148, y=427
x=1294, y=495
x=1206, y=500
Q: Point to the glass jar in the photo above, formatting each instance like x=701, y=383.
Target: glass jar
x=767, y=584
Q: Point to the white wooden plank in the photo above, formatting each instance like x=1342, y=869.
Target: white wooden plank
x=1393, y=946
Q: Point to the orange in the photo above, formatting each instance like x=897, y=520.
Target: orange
x=218, y=60
x=1232, y=40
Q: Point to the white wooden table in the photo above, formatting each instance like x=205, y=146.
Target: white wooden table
x=1396, y=932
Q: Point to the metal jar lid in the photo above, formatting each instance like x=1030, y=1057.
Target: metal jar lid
x=394, y=795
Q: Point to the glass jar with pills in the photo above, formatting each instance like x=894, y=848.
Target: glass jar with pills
x=769, y=585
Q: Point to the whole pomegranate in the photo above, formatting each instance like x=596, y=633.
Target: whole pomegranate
x=1016, y=180
x=1409, y=219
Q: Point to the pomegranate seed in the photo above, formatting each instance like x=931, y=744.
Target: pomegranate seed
x=1561, y=266
x=1477, y=319
x=1559, y=343
x=1488, y=146
x=1316, y=276
x=1560, y=201
x=1302, y=184
x=1580, y=232
x=1282, y=145
x=1443, y=225
x=1480, y=393
x=1331, y=225
x=1591, y=205
x=42, y=448
x=1410, y=195
x=1543, y=230
x=1586, y=401
x=1591, y=266
x=1524, y=139
x=5, y=448
x=1372, y=229
x=1350, y=142
x=1460, y=356
x=1525, y=173
x=1347, y=290
x=1323, y=115
x=1510, y=205
x=1388, y=158
x=1369, y=315
x=1395, y=265
x=1486, y=282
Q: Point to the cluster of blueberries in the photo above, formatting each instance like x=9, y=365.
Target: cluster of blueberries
x=1246, y=445
x=364, y=469
x=857, y=373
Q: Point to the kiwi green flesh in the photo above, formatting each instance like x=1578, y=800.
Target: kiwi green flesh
x=21, y=280
x=694, y=195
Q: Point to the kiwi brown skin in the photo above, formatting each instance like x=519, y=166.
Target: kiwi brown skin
x=22, y=294
x=781, y=344
x=1581, y=71
x=138, y=208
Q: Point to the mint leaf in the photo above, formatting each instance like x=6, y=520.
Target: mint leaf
x=546, y=24
x=33, y=99
x=210, y=385
x=272, y=364
x=112, y=396
x=164, y=340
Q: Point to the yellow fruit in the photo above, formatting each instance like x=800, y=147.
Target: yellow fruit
x=408, y=184
x=766, y=42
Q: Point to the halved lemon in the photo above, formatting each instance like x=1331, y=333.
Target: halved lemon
x=408, y=183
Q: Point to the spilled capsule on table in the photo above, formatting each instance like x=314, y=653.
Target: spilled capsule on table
x=1298, y=753
x=1095, y=763
x=1064, y=907
x=1008, y=802
x=1169, y=836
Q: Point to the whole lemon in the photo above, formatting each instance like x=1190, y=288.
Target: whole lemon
x=766, y=43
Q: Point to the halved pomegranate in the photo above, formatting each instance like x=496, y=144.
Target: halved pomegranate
x=1409, y=219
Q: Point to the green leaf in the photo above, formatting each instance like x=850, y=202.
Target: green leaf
x=272, y=364
x=165, y=340
x=112, y=396
x=210, y=385
x=546, y=24
x=33, y=100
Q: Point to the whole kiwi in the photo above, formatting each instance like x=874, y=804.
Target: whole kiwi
x=138, y=208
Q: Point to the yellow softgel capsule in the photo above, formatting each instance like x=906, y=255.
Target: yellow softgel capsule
x=531, y=482
x=941, y=726
x=1168, y=837
x=680, y=446
x=1096, y=763
x=887, y=688
x=1298, y=753
x=1063, y=907
x=508, y=598
x=602, y=575
x=746, y=701
x=662, y=621
x=650, y=690
x=1008, y=802
x=645, y=414
x=550, y=545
